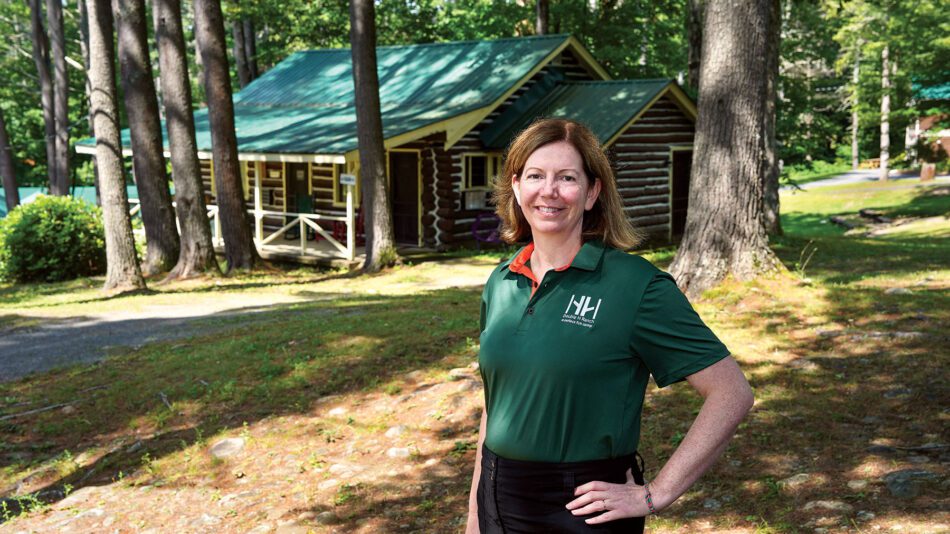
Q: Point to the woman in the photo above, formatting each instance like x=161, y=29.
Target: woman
x=571, y=329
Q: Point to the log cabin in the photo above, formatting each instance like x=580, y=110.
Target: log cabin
x=448, y=110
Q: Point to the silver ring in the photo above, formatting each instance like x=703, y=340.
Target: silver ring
x=603, y=504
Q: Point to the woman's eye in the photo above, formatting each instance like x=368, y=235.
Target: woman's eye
x=568, y=178
x=534, y=177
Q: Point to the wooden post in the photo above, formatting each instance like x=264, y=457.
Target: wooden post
x=258, y=217
x=217, y=226
x=350, y=225
x=303, y=234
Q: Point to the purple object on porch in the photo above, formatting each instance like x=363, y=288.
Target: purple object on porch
x=485, y=229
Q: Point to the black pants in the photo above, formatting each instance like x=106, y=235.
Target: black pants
x=516, y=496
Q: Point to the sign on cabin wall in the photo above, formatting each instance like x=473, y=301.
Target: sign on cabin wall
x=347, y=179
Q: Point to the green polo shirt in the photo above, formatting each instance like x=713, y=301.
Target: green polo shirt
x=566, y=368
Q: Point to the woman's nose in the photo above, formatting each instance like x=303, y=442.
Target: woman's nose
x=549, y=188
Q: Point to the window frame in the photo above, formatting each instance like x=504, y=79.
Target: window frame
x=493, y=167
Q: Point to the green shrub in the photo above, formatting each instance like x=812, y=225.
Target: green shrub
x=52, y=239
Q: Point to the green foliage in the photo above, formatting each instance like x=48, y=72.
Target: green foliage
x=51, y=239
x=915, y=35
x=20, y=94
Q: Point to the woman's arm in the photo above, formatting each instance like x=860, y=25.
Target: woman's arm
x=728, y=398
x=472, y=526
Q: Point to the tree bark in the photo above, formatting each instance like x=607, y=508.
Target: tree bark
x=885, y=112
x=84, y=48
x=54, y=14
x=148, y=161
x=122, y=271
x=7, y=174
x=240, y=60
x=735, y=147
x=855, y=81
x=541, y=20
x=239, y=248
x=773, y=221
x=197, y=251
x=694, y=32
x=41, y=59
x=250, y=48
x=380, y=246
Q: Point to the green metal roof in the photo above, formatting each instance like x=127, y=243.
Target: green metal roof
x=305, y=104
x=932, y=92
x=604, y=106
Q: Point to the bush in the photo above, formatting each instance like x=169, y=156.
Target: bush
x=52, y=239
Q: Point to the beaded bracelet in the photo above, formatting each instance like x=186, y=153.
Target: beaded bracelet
x=649, y=498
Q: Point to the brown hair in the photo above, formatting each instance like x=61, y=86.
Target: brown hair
x=605, y=220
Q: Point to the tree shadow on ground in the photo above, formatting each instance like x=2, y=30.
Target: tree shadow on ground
x=163, y=395
x=14, y=294
x=846, y=395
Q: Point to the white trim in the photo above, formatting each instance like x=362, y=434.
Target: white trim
x=242, y=156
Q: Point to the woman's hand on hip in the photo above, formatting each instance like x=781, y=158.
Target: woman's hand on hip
x=612, y=501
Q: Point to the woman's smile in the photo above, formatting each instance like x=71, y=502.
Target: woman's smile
x=554, y=191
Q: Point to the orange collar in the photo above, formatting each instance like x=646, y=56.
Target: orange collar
x=520, y=265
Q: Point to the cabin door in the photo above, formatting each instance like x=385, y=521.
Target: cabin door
x=404, y=183
x=682, y=162
x=298, y=189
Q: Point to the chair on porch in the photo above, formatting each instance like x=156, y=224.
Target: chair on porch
x=339, y=229
x=304, y=206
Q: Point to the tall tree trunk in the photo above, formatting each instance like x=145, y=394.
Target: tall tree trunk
x=54, y=14
x=239, y=248
x=885, y=112
x=369, y=130
x=122, y=271
x=855, y=81
x=541, y=19
x=694, y=32
x=84, y=48
x=725, y=226
x=148, y=161
x=197, y=251
x=240, y=60
x=41, y=59
x=773, y=221
x=10, y=191
x=250, y=48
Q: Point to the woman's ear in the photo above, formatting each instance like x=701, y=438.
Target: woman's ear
x=592, y=194
x=516, y=187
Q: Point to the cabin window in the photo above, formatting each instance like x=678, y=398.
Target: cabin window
x=481, y=170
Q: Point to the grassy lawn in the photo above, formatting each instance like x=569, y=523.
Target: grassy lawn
x=352, y=422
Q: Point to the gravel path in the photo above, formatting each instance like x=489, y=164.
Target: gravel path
x=57, y=342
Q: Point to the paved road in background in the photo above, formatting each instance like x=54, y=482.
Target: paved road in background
x=860, y=176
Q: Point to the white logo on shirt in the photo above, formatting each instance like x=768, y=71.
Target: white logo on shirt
x=577, y=310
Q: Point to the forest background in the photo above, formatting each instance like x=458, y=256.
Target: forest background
x=823, y=44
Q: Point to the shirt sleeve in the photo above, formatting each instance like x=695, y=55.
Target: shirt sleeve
x=670, y=337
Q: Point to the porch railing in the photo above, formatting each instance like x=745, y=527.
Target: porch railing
x=303, y=222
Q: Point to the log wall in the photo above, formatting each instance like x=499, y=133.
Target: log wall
x=642, y=164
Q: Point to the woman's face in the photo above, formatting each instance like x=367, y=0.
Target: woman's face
x=554, y=192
